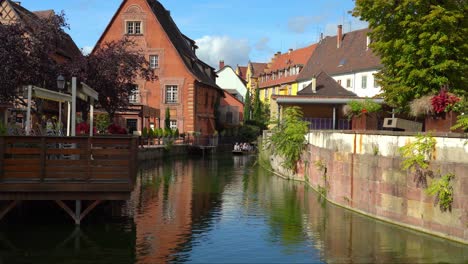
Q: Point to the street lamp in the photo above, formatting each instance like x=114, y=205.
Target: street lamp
x=60, y=86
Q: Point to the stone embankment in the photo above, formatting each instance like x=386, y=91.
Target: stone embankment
x=363, y=172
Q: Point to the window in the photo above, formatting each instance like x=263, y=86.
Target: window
x=266, y=93
x=376, y=85
x=134, y=27
x=172, y=94
x=173, y=124
x=289, y=90
x=132, y=125
x=339, y=82
x=348, y=83
x=154, y=61
x=229, y=117
x=364, y=82
x=134, y=97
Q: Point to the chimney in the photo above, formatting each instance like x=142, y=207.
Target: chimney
x=221, y=64
x=314, y=85
x=290, y=50
x=339, y=36
x=368, y=41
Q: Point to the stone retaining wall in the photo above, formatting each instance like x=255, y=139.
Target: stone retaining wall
x=371, y=182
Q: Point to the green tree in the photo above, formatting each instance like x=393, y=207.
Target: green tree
x=257, y=107
x=423, y=45
x=288, y=137
x=247, y=106
x=167, y=119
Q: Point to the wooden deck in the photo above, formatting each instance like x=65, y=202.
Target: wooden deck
x=67, y=168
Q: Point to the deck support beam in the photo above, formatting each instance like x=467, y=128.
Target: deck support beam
x=77, y=216
x=8, y=208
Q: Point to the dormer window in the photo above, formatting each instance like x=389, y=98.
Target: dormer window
x=134, y=28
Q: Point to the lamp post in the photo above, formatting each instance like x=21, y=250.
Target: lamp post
x=60, y=86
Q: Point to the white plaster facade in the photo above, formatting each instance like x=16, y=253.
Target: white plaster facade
x=354, y=82
x=228, y=79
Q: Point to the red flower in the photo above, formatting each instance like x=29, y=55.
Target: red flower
x=364, y=111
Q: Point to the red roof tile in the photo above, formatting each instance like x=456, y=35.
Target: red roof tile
x=258, y=68
x=285, y=61
x=242, y=72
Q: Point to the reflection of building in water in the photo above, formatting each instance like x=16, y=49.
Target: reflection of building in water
x=163, y=217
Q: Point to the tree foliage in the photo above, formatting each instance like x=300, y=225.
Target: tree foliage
x=27, y=54
x=257, y=106
x=112, y=69
x=423, y=45
x=167, y=119
x=247, y=106
x=288, y=137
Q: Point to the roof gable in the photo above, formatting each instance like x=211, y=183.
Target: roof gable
x=32, y=21
x=184, y=46
x=326, y=86
x=257, y=68
x=352, y=56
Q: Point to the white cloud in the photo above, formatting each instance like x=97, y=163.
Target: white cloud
x=262, y=44
x=86, y=50
x=212, y=49
x=299, y=24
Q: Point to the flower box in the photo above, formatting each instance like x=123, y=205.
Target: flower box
x=442, y=122
x=365, y=121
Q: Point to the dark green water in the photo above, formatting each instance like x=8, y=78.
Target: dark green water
x=219, y=210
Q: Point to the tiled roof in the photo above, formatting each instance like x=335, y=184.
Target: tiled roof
x=326, y=86
x=286, y=60
x=258, y=68
x=242, y=72
x=44, y=13
x=65, y=48
x=352, y=56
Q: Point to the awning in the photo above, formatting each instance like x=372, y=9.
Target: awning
x=51, y=95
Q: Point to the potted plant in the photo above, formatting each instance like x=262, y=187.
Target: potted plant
x=443, y=111
x=363, y=114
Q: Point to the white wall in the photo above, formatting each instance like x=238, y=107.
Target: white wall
x=356, y=83
x=447, y=149
x=228, y=79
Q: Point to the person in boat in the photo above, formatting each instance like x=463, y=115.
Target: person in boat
x=236, y=147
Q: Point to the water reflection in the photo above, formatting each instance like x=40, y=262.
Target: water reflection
x=219, y=209
x=229, y=210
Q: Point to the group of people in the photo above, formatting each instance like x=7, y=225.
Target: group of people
x=243, y=147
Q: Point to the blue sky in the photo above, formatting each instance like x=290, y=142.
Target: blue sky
x=234, y=31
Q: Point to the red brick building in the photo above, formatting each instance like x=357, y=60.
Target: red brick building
x=186, y=85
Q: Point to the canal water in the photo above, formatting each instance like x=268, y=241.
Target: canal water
x=221, y=209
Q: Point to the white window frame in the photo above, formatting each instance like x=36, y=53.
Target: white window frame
x=173, y=124
x=266, y=93
x=364, y=82
x=154, y=61
x=134, y=27
x=348, y=83
x=171, y=94
x=134, y=96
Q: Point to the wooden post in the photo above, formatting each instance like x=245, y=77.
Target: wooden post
x=2, y=156
x=73, y=108
x=43, y=149
x=133, y=153
x=88, y=159
x=77, y=212
x=28, y=113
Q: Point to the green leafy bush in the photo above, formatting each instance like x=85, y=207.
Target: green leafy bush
x=288, y=137
x=443, y=190
x=359, y=107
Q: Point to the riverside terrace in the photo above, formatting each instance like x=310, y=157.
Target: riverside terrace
x=66, y=169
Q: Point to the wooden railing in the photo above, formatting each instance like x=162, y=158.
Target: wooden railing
x=67, y=164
